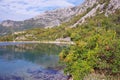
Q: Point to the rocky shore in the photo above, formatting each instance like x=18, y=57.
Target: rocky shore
x=37, y=75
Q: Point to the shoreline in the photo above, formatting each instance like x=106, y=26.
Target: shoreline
x=50, y=42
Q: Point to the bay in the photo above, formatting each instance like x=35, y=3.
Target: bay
x=30, y=61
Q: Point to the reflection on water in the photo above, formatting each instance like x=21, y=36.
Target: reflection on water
x=23, y=61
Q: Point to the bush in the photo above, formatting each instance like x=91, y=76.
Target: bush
x=99, y=51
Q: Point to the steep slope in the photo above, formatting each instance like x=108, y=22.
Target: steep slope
x=56, y=17
x=49, y=18
x=99, y=7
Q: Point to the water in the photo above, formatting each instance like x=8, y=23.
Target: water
x=30, y=61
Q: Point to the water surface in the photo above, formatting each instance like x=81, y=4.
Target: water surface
x=30, y=61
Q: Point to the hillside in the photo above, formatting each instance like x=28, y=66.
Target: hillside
x=47, y=19
x=56, y=17
x=87, y=10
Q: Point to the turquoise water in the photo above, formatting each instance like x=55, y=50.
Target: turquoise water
x=30, y=61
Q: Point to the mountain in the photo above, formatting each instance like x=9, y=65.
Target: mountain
x=98, y=7
x=49, y=18
x=46, y=19
x=56, y=17
x=70, y=17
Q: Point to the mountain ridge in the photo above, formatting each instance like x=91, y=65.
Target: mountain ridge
x=56, y=17
x=51, y=18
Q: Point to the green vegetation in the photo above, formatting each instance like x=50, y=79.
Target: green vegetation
x=97, y=48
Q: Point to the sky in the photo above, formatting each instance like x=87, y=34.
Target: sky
x=24, y=9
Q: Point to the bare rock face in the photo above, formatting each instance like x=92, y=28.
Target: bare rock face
x=92, y=12
x=87, y=4
x=110, y=7
x=55, y=17
x=113, y=5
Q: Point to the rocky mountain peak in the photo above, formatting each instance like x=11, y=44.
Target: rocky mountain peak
x=104, y=6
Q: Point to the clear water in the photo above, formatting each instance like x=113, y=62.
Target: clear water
x=30, y=61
